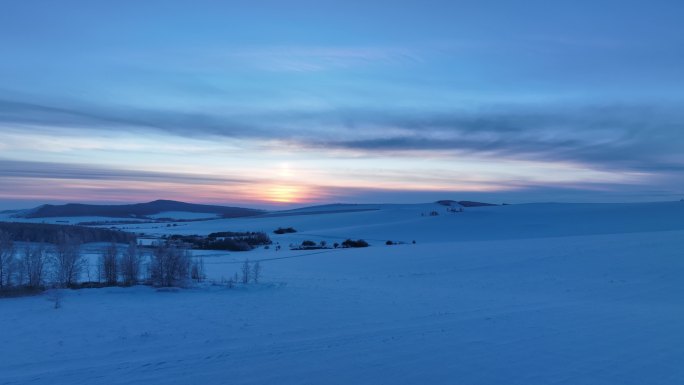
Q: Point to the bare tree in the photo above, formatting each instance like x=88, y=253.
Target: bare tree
x=13, y=270
x=230, y=283
x=256, y=272
x=130, y=264
x=55, y=296
x=197, y=269
x=246, y=272
x=68, y=260
x=7, y=251
x=170, y=265
x=33, y=265
x=109, y=262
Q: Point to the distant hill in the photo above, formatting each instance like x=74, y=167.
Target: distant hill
x=138, y=210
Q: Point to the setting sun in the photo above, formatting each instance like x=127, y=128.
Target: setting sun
x=283, y=194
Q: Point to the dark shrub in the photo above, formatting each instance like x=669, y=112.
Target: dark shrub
x=308, y=244
x=357, y=243
x=281, y=230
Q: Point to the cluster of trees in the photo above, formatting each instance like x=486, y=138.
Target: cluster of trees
x=250, y=272
x=35, y=266
x=120, y=268
x=168, y=264
x=227, y=240
x=390, y=242
x=313, y=245
x=355, y=243
x=284, y=230
x=310, y=245
x=32, y=266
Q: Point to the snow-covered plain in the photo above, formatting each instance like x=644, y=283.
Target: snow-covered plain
x=524, y=294
x=182, y=215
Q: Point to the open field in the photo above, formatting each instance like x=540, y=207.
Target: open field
x=528, y=294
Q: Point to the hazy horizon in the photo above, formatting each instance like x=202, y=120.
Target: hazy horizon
x=9, y=205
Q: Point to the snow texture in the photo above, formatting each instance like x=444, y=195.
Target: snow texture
x=526, y=294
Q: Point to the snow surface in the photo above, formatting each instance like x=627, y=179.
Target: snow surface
x=526, y=294
x=183, y=215
x=412, y=222
x=67, y=220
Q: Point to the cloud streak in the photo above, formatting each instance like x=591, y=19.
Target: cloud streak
x=55, y=170
x=638, y=138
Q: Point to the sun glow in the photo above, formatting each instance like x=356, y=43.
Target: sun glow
x=284, y=194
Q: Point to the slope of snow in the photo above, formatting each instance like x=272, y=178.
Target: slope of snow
x=412, y=222
x=183, y=215
x=530, y=294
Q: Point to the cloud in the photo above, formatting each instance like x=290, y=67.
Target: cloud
x=50, y=181
x=635, y=138
x=107, y=118
x=53, y=170
x=40, y=182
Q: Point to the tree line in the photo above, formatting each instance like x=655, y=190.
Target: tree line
x=49, y=233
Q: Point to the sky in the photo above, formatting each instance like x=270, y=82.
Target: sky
x=274, y=103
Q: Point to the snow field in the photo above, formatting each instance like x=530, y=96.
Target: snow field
x=564, y=307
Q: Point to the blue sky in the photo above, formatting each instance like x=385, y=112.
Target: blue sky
x=271, y=102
